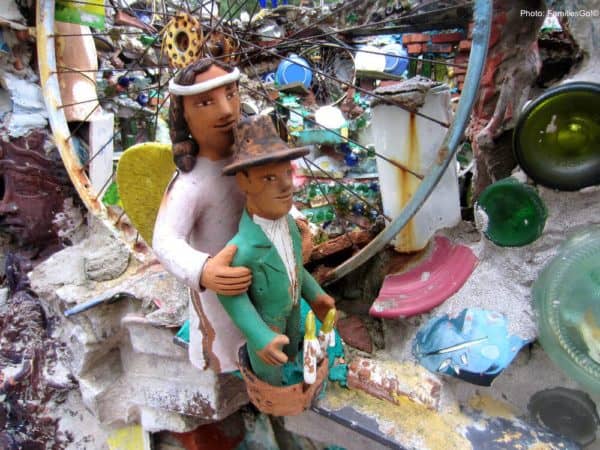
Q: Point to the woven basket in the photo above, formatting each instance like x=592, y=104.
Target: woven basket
x=280, y=400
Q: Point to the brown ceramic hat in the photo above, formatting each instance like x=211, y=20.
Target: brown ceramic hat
x=257, y=143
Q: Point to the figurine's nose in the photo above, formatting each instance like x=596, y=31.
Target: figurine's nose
x=285, y=183
x=225, y=107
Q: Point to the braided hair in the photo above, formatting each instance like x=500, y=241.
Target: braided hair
x=185, y=149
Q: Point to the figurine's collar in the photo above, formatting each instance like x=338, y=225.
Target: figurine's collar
x=204, y=86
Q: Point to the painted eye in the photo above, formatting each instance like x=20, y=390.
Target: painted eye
x=205, y=102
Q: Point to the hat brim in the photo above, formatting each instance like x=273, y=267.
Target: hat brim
x=281, y=155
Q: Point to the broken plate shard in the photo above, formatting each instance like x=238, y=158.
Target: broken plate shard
x=475, y=346
x=427, y=285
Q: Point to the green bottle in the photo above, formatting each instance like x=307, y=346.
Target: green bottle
x=510, y=214
x=557, y=138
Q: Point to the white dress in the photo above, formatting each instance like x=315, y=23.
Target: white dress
x=198, y=215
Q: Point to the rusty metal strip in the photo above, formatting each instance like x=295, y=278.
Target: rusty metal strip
x=60, y=128
x=52, y=98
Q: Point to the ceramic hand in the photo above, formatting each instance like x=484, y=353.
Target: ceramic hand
x=219, y=276
x=272, y=354
x=321, y=305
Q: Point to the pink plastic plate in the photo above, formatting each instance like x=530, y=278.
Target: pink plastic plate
x=428, y=284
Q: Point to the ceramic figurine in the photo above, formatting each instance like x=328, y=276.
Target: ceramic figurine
x=200, y=209
x=269, y=244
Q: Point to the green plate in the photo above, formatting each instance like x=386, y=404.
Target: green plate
x=567, y=303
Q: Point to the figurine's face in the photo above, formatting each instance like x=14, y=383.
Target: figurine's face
x=268, y=189
x=212, y=115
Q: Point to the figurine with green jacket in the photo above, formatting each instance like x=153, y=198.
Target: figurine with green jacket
x=269, y=244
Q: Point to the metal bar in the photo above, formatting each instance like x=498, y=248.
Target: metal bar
x=103, y=299
x=482, y=16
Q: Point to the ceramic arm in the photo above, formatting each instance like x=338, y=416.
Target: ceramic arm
x=246, y=317
x=320, y=302
x=173, y=225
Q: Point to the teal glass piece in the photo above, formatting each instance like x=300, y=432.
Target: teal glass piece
x=182, y=338
x=567, y=304
x=557, y=138
x=510, y=213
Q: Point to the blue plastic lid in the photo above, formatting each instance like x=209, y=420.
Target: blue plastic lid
x=293, y=70
x=393, y=63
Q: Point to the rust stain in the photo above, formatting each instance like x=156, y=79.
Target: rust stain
x=405, y=241
x=442, y=154
x=210, y=358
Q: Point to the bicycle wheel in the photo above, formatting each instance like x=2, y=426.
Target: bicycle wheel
x=257, y=46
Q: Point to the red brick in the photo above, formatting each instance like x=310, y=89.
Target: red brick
x=491, y=67
x=415, y=38
x=442, y=38
x=461, y=59
x=464, y=46
x=461, y=85
x=460, y=78
x=496, y=33
x=438, y=48
x=470, y=32
x=459, y=70
x=414, y=49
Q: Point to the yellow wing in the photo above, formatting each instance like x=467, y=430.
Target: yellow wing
x=143, y=173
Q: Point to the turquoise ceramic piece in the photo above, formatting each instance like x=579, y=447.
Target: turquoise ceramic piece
x=474, y=346
x=567, y=303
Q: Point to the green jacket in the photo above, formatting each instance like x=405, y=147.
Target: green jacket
x=268, y=301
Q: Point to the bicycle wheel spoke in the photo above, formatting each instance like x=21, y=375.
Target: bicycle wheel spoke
x=95, y=155
x=157, y=107
x=104, y=186
x=78, y=127
x=119, y=217
x=135, y=33
x=221, y=19
x=252, y=14
x=358, y=144
x=314, y=182
x=354, y=194
x=324, y=18
x=125, y=69
x=83, y=2
x=110, y=97
x=364, y=91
